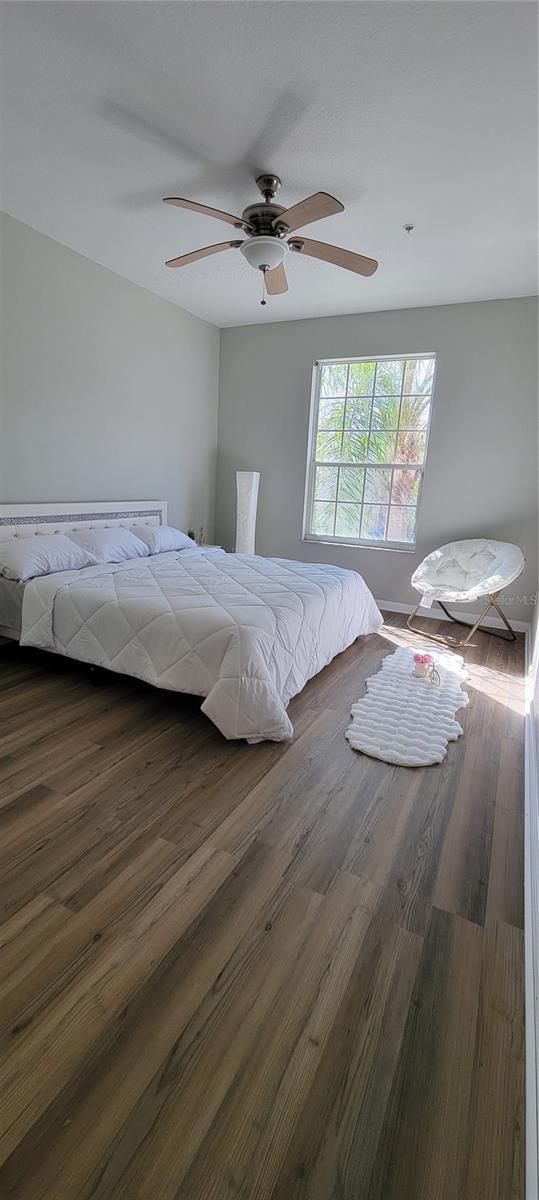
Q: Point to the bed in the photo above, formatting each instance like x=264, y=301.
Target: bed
x=11, y=594
x=241, y=631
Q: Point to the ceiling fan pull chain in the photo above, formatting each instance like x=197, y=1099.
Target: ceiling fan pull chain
x=263, y=300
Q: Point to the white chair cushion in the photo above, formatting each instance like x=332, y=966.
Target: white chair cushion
x=468, y=569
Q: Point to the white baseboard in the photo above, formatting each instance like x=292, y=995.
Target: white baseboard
x=436, y=614
x=531, y=925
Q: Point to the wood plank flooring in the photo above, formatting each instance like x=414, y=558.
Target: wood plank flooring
x=274, y=972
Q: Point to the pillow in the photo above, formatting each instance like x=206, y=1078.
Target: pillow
x=22, y=558
x=160, y=538
x=110, y=545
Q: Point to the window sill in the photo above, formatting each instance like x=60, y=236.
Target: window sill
x=314, y=541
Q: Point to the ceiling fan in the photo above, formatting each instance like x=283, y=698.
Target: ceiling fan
x=267, y=226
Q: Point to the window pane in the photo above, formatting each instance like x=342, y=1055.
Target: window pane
x=333, y=379
x=325, y=486
x=382, y=447
x=389, y=377
x=385, y=412
x=405, y=488
x=358, y=413
x=401, y=525
x=373, y=522
x=419, y=375
x=361, y=378
x=377, y=486
x=365, y=480
x=415, y=412
x=351, y=483
x=354, y=447
x=347, y=523
x=330, y=414
x=410, y=447
x=323, y=518
x=328, y=447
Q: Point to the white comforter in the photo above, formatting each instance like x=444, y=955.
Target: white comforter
x=245, y=632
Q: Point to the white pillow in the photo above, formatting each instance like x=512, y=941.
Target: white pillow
x=22, y=558
x=160, y=538
x=110, y=545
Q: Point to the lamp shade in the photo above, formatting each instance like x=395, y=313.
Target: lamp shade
x=246, y=503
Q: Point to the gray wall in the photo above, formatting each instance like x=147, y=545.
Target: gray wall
x=480, y=477
x=107, y=391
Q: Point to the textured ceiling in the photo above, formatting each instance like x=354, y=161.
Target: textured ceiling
x=421, y=112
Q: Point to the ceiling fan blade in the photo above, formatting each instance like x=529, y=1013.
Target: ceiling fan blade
x=336, y=255
x=194, y=206
x=312, y=209
x=184, y=259
x=276, y=281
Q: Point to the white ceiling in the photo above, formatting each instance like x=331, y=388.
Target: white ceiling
x=421, y=112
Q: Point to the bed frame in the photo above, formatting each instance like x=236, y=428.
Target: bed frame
x=29, y=520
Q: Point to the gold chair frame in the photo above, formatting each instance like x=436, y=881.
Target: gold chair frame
x=492, y=603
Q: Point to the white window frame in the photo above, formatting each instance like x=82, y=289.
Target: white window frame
x=372, y=544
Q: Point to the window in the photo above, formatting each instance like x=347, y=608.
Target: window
x=369, y=429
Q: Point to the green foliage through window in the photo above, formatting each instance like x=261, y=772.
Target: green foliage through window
x=370, y=440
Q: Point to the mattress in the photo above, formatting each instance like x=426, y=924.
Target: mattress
x=11, y=594
x=244, y=632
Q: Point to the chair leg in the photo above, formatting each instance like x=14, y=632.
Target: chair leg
x=492, y=603
x=512, y=635
x=433, y=637
x=473, y=627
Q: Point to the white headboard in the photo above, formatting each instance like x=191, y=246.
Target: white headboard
x=23, y=520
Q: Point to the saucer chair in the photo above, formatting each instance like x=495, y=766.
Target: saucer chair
x=464, y=571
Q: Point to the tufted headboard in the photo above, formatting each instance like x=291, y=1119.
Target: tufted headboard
x=24, y=520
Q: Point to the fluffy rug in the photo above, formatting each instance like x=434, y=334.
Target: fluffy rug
x=405, y=720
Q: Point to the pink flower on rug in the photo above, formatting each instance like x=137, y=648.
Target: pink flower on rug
x=423, y=658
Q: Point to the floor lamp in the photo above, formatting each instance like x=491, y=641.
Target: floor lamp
x=246, y=501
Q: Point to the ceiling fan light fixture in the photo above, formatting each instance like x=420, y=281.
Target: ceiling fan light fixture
x=263, y=252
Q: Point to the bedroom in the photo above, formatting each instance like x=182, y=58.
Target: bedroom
x=241, y=955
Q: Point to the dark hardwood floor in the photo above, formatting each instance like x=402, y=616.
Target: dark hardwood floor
x=274, y=972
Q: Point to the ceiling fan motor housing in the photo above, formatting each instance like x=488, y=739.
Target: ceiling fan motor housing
x=259, y=218
x=263, y=252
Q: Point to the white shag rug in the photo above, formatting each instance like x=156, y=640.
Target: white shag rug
x=405, y=720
